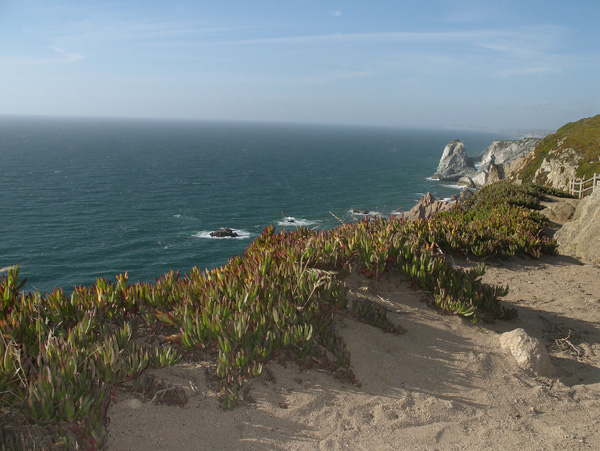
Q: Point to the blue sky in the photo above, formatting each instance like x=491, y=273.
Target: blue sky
x=498, y=64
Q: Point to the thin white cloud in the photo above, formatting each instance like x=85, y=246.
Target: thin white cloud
x=494, y=39
x=60, y=56
x=308, y=79
x=526, y=71
x=347, y=37
x=67, y=57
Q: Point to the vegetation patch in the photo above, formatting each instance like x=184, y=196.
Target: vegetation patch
x=60, y=356
x=582, y=136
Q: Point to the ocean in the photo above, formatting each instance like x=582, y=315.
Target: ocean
x=89, y=198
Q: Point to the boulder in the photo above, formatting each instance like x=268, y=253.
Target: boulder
x=466, y=181
x=559, y=210
x=465, y=195
x=454, y=162
x=495, y=174
x=480, y=179
x=224, y=233
x=427, y=207
x=529, y=352
x=580, y=238
x=462, y=197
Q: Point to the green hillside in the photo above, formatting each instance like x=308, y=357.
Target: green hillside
x=583, y=137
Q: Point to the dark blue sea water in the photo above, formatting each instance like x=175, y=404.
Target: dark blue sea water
x=88, y=198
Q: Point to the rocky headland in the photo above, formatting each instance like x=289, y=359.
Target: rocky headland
x=573, y=152
x=495, y=163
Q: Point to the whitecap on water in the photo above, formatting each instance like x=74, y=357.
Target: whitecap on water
x=364, y=213
x=461, y=187
x=241, y=235
x=290, y=221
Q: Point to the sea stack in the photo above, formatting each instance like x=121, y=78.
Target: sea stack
x=454, y=162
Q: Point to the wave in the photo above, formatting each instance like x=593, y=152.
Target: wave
x=242, y=235
x=460, y=187
x=290, y=221
x=364, y=213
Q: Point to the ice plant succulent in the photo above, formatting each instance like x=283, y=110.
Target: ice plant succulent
x=61, y=355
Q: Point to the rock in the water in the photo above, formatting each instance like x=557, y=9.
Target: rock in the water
x=454, y=162
x=426, y=208
x=224, y=233
x=580, y=238
x=529, y=353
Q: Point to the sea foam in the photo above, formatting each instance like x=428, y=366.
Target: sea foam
x=290, y=221
x=242, y=235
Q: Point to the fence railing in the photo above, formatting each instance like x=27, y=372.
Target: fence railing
x=581, y=187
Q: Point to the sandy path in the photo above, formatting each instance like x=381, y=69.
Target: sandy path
x=445, y=384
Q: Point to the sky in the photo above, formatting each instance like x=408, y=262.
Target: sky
x=500, y=64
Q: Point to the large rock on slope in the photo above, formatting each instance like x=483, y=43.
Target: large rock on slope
x=580, y=238
x=454, y=162
x=427, y=207
x=529, y=352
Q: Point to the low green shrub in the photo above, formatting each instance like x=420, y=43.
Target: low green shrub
x=61, y=355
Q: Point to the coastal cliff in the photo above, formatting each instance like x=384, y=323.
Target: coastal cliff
x=496, y=162
x=572, y=152
x=505, y=152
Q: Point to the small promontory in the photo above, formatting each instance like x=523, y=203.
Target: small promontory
x=496, y=162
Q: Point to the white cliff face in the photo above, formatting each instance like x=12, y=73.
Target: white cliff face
x=505, y=152
x=456, y=165
x=580, y=238
x=454, y=162
x=558, y=170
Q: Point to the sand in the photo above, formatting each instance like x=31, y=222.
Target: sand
x=445, y=384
